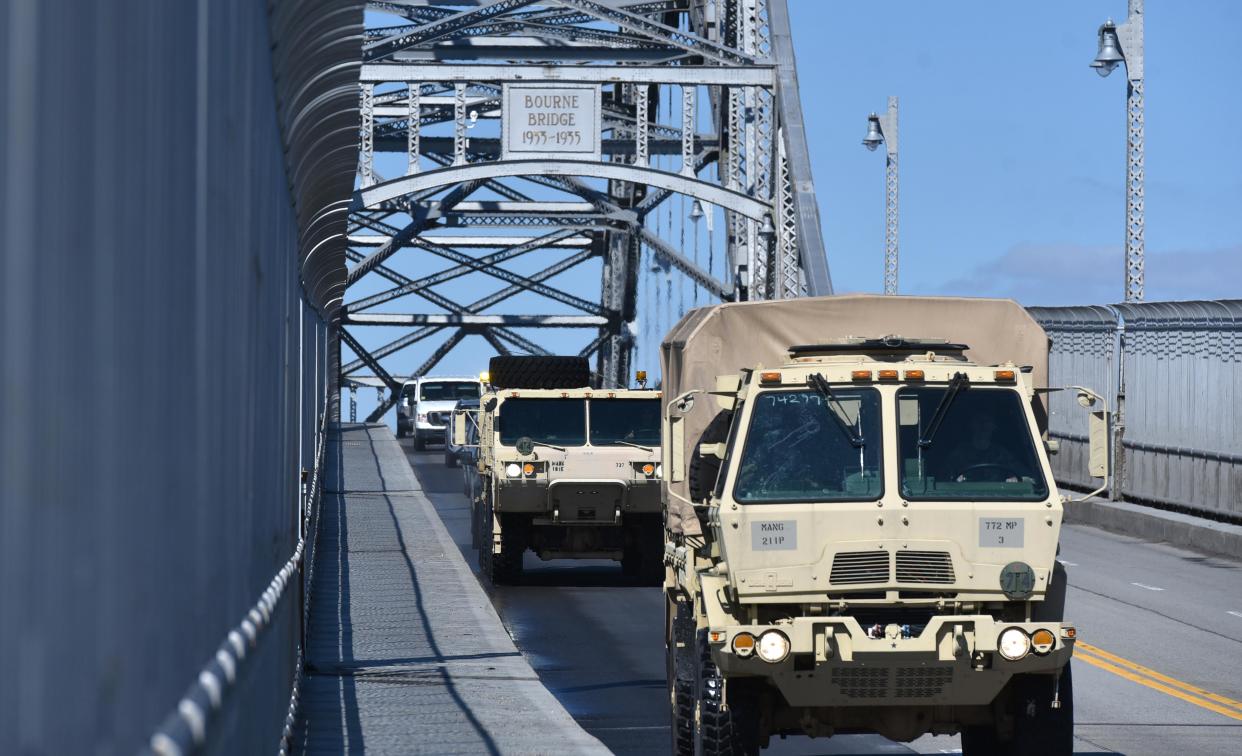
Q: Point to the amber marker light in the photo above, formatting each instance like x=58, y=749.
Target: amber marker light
x=861, y=375
x=649, y=469
x=1043, y=641
x=1004, y=375
x=888, y=375
x=744, y=645
x=528, y=468
x=717, y=636
x=771, y=376
x=914, y=375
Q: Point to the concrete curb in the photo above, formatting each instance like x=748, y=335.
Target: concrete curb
x=1186, y=531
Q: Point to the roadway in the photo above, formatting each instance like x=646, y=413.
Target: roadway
x=1159, y=670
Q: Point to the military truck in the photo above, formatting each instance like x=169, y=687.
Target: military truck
x=567, y=471
x=862, y=525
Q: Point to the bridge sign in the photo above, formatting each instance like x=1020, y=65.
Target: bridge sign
x=556, y=121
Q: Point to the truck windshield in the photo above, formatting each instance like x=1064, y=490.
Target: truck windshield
x=795, y=451
x=560, y=422
x=444, y=391
x=634, y=421
x=983, y=450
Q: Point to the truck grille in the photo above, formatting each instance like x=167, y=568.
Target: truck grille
x=861, y=682
x=922, y=682
x=437, y=418
x=882, y=682
x=924, y=567
x=851, y=567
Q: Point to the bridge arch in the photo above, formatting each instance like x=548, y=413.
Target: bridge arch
x=729, y=199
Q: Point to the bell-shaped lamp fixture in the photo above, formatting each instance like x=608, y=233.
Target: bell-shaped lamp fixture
x=1109, y=54
x=696, y=212
x=767, y=231
x=874, y=137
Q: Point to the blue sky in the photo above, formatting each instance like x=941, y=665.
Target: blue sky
x=1012, y=150
x=1012, y=160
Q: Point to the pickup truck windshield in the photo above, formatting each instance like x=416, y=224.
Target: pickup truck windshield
x=444, y=391
x=634, y=421
x=560, y=422
x=983, y=450
x=796, y=451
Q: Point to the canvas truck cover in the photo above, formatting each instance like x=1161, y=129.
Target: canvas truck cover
x=727, y=338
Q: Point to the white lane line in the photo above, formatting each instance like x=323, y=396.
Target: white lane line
x=1236, y=614
x=1068, y=564
x=1146, y=587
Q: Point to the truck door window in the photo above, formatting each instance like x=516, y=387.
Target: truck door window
x=795, y=451
x=561, y=422
x=635, y=421
x=982, y=451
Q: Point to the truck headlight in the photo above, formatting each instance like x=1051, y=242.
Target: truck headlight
x=773, y=646
x=513, y=469
x=422, y=417
x=1014, y=643
x=659, y=471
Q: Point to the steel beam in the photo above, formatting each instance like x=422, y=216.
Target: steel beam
x=759, y=75
x=514, y=321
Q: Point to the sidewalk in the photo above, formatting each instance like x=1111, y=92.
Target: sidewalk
x=406, y=653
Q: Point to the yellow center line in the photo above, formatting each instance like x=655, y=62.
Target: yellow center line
x=1156, y=681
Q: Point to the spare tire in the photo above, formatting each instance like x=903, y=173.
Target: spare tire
x=704, y=470
x=539, y=372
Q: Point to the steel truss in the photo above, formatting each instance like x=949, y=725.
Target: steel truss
x=698, y=102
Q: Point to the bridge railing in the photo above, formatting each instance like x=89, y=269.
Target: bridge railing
x=1172, y=372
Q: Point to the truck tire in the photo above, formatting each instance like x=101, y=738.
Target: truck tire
x=539, y=372
x=1038, y=729
x=450, y=457
x=678, y=652
x=704, y=470
x=420, y=443
x=504, y=568
x=731, y=730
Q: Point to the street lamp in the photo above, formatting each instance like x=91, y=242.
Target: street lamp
x=1124, y=45
x=883, y=130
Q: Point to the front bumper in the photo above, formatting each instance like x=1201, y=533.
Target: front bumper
x=578, y=501
x=832, y=661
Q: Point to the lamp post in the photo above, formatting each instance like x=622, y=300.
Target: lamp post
x=1124, y=44
x=883, y=130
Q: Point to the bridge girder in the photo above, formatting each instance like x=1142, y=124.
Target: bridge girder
x=689, y=109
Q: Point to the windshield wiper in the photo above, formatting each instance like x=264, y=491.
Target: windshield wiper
x=820, y=384
x=636, y=446
x=958, y=382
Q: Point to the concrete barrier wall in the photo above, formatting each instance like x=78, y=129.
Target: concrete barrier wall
x=1173, y=369
x=162, y=362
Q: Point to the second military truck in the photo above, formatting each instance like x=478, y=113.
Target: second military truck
x=863, y=525
x=566, y=470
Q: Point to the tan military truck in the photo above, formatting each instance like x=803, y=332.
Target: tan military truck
x=862, y=528
x=567, y=471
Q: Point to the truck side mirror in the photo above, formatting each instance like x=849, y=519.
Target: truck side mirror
x=676, y=449
x=460, y=420
x=1097, y=435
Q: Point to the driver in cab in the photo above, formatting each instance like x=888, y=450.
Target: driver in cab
x=978, y=454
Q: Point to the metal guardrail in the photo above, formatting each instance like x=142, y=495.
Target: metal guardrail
x=186, y=729
x=1173, y=375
